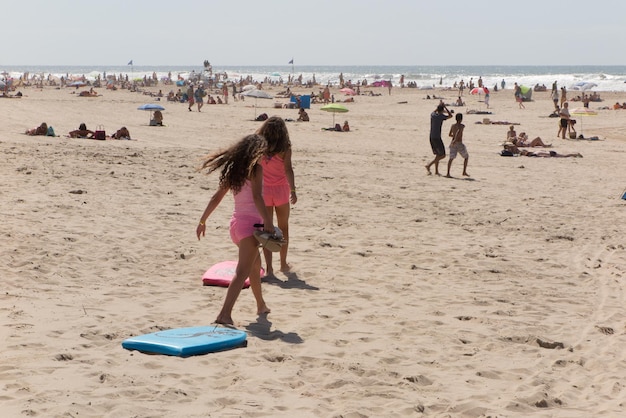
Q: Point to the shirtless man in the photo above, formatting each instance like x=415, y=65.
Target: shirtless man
x=456, y=145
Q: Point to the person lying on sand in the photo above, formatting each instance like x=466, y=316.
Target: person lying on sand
x=40, y=130
x=552, y=154
x=496, y=122
x=523, y=141
x=81, y=132
x=122, y=133
x=90, y=93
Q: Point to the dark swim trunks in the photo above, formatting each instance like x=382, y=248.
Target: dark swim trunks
x=437, y=145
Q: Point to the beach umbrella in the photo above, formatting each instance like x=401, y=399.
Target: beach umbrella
x=248, y=87
x=151, y=107
x=257, y=94
x=588, y=86
x=583, y=85
x=583, y=112
x=479, y=90
x=348, y=91
x=527, y=93
x=334, y=108
x=77, y=84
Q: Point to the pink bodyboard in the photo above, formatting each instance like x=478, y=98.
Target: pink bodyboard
x=221, y=274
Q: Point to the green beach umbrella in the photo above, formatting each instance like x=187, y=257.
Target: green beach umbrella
x=334, y=108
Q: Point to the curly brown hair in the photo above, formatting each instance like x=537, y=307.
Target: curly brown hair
x=274, y=130
x=237, y=162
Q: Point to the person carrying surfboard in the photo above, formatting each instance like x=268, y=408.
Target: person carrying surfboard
x=242, y=174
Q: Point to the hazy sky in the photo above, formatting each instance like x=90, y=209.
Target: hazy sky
x=322, y=32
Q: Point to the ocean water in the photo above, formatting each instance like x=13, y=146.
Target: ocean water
x=606, y=78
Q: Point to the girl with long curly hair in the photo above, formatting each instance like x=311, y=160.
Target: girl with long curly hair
x=243, y=175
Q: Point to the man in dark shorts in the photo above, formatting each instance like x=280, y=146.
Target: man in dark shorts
x=436, y=143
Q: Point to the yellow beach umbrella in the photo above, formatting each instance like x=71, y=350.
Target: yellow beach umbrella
x=583, y=112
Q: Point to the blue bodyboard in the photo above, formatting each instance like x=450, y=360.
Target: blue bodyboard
x=184, y=342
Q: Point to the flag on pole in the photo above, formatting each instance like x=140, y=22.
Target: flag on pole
x=291, y=62
x=130, y=62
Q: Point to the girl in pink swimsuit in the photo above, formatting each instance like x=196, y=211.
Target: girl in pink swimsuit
x=241, y=174
x=279, y=187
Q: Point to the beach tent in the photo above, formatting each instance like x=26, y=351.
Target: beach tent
x=382, y=83
x=304, y=100
x=527, y=93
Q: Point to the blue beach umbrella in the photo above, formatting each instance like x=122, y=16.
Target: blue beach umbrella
x=151, y=107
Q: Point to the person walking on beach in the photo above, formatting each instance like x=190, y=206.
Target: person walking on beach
x=279, y=187
x=518, y=96
x=225, y=93
x=456, y=145
x=199, y=95
x=564, y=122
x=190, y=96
x=436, y=143
x=555, y=99
x=243, y=176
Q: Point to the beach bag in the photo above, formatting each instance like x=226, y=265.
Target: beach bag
x=572, y=134
x=100, y=133
x=50, y=131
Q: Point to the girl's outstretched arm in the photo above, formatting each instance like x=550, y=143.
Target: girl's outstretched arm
x=213, y=204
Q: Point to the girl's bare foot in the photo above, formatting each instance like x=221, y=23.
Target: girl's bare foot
x=263, y=310
x=466, y=175
x=428, y=169
x=224, y=320
x=285, y=268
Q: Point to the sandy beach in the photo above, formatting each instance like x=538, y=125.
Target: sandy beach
x=497, y=295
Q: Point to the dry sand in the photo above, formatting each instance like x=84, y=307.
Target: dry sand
x=412, y=295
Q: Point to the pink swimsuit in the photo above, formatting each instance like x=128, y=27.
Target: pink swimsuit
x=245, y=214
x=276, y=190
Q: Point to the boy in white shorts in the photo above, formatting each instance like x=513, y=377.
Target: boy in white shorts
x=456, y=145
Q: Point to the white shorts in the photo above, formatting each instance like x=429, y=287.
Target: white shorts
x=458, y=147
